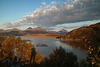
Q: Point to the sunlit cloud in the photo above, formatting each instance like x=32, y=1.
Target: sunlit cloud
x=43, y=3
x=53, y=2
x=28, y=13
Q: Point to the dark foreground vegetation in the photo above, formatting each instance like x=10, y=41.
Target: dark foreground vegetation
x=17, y=52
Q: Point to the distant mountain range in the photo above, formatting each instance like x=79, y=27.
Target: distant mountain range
x=36, y=30
x=85, y=33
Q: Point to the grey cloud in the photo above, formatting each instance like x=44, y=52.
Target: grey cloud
x=79, y=10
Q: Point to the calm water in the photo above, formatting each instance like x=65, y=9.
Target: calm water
x=53, y=43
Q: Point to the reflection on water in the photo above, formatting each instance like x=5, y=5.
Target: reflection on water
x=76, y=44
x=53, y=43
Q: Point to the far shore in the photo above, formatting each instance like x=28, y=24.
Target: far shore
x=42, y=35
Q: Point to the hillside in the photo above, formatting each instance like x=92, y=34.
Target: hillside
x=85, y=33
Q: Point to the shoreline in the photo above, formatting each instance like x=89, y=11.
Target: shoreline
x=42, y=35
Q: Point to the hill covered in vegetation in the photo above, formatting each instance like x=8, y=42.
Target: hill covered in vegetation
x=85, y=33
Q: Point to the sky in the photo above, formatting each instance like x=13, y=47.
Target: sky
x=54, y=15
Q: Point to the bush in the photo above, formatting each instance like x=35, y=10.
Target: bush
x=61, y=58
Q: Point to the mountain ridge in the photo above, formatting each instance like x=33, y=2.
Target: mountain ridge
x=30, y=30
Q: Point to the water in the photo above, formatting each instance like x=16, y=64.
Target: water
x=53, y=43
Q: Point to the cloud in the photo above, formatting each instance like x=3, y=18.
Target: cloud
x=69, y=12
x=18, y=23
x=43, y=3
x=53, y=2
x=28, y=13
x=87, y=24
x=78, y=10
x=64, y=27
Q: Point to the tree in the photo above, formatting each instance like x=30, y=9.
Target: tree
x=36, y=57
x=18, y=51
x=2, y=38
x=33, y=54
x=7, y=48
x=61, y=58
x=94, y=56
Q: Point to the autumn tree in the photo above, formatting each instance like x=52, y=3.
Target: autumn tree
x=2, y=38
x=7, y=49
x=12, y=47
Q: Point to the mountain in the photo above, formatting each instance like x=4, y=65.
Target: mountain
x=1, y=30
x=29, y=28
x=17, y=32
x=63, y=31
x=85, y=33
x=14, y=29
x=36, y=30
x=40, y=29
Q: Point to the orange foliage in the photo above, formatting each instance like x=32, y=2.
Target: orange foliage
x=15, y=46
